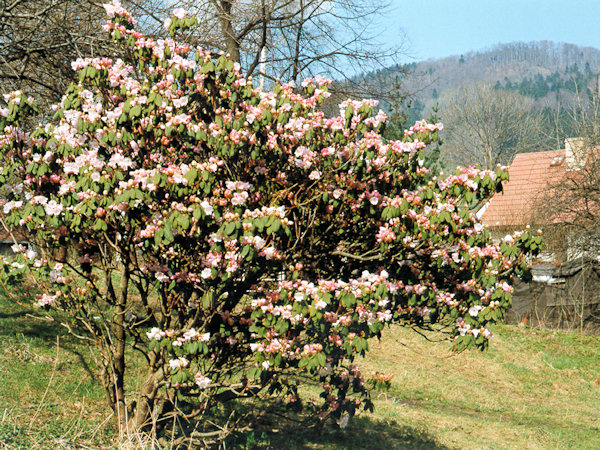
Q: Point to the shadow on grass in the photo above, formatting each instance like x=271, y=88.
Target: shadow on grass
x=17, y=321
x=15, y=314
x=361, y=433
x=23, y=322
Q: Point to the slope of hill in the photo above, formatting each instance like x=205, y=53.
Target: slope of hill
x=549, y=83
x=504, y=64
x=531, y=389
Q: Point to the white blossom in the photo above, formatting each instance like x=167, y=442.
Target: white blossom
x=201, y=381
x=208, y=209
x=178, y=363
x=53, y=208
x=180, y=13
x=156, y=334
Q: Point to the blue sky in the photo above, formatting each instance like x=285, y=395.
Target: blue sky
x=438, y=28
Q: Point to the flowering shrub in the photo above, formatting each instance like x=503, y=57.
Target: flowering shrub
x=240, y=240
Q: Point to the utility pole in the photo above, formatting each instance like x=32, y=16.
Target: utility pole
x=263, y=68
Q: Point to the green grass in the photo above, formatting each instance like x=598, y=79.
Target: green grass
x=48, y=392
x=532, y=389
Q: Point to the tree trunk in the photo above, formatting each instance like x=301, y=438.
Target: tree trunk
x=146, y=403
x=231, y=43
x=119, y=352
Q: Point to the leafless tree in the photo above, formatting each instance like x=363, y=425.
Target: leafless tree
x=487, y=127
x=575, y=199
x=583, y=114
x=278, y=39
x=296, y=38
x=40, y=38
x=571, y=204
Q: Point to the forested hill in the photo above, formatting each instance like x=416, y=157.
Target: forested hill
x=512, y=63
x=538, y=70
x=520, y=91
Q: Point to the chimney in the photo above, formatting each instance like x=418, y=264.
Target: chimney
x=576, y=153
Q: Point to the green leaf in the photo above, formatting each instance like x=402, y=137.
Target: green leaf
x=168, y=235
x=348, y=299
x=230, y=228
x=135, y=111
x=207, y=300
x=321, y=358
x=191, y=176
x=245, y=251
x=198, y=212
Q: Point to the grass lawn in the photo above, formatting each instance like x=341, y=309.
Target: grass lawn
x=532, y=389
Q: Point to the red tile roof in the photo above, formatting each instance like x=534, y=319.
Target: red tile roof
x=530, y=176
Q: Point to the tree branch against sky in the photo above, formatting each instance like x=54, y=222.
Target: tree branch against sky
x=302, y=38
x=39, y=40
x=297, y=38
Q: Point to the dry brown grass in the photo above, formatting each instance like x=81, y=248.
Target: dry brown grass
x=509, y=397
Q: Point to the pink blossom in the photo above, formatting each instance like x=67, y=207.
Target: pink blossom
x=180, y=102
x=46, y=299
x=180, y=13
x=53, y=208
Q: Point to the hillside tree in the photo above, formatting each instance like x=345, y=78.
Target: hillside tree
x=487, y=127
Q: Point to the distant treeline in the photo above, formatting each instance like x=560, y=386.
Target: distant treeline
x=533, y=69
x=538, y=86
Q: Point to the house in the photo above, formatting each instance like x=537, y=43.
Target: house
x=10, y=238
x=7, y=241
x=563, y=297
x=531, y=198
x=554, y=191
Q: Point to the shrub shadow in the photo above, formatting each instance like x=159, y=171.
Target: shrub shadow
x=16, y=321
x=361, y=433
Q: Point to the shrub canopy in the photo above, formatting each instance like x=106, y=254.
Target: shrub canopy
x=241, y=241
